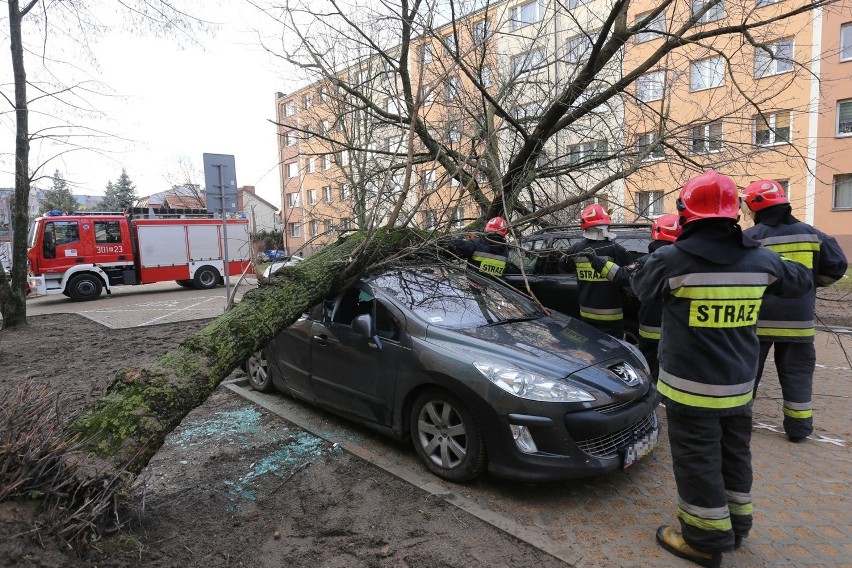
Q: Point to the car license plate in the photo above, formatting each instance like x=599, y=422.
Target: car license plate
x=640, y=448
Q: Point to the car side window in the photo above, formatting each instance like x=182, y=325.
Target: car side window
x=354, y=302
x=387, y=326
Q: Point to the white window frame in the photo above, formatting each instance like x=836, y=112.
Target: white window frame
x=430, y=219
x=327, y=194
x=312, y=197
x=427, y=181
x=453, y=132
x=326, y=161
x=526, y=14
x=310, y=165
x=344, y=158
x=529, y=62
x=307, y=100
x=427, y=95
x=650, y=203
x=846, y=180
x=292, y=169
x=453, y=87
x=450, y=43
x=764, y=3
x=426, y=54
x=655, y=27
x=329, y=226
x=295, y=229
x=707, y=73
x=707, y=137
x=579, y=47
x=289, y=108
x=846, y=42
x=294, y=200
x=458, y=217
x=290, y=138
x=314, y=227
x=773, y=134
x=714, y=14
x=487, y=77
x=345, y=192
x=323, y=94
x=575, y=154
x=848, y=122
x=652, y=79
x=658, y=154
x=481, y=30
x=766, y=65
x=577, y=3
x=325, y=126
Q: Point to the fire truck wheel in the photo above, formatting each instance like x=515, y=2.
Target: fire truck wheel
x=206, y=277
x=84, y=287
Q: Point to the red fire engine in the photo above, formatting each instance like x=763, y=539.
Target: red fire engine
x=79, y=255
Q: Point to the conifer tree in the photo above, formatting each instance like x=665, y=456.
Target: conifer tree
x=119, y=195
x=58, y=197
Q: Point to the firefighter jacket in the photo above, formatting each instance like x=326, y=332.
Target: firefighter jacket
x=792, y=320
x=650, y=313
x=711, y=283
x=488, y=254
x=599, y=299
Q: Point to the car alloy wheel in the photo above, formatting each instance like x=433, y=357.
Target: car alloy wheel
x=258, y=372
x=446, y=437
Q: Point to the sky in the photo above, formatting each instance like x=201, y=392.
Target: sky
x=172, y=103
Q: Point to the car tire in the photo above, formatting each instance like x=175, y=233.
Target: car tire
x=258, y=372
x=447, y=437
x=185, y=283
x=206, y=277
x=84, y=288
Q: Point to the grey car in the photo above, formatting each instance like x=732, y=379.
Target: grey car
x=472, y=372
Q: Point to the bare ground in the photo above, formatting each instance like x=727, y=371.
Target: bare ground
x=236, y=486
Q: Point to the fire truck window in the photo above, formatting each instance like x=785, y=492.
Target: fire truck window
x=64, y=232
x=49, y=242
x=107, y=232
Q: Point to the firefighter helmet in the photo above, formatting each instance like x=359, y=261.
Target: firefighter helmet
x=594, y=215
x=497, y=225
x=764, y=193
x=666, y=228
x=706, y=196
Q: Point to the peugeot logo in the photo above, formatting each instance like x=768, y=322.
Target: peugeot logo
x=627, y=374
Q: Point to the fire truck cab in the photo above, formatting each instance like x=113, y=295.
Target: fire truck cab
x=81, y=255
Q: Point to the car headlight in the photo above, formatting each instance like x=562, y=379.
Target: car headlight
x=638, y=354
x=531, y=386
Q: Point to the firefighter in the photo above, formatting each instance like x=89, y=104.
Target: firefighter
x=711, y=281
x=664, y=231
x=489, y=253
x=789, y=323
x=599, y=299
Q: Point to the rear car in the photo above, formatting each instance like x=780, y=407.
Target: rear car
x=537, y=264
x=474, y=374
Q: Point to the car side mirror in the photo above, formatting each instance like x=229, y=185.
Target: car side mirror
x=365, y=325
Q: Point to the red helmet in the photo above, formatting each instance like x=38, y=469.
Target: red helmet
x=707, y=196
x=666, y=228
x=594, y=215
x=764, y=193
x=497, y=225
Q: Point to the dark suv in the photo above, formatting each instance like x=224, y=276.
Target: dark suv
x=557, y=289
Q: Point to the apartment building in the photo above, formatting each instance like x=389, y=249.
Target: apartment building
x=481, y=84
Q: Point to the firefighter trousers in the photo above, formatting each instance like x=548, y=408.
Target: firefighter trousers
x=649, y=348
x=795, y=364
x=711, y=458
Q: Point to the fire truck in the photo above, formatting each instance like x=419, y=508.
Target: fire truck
x=80, y=255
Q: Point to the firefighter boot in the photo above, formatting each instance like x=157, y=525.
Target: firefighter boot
x=671, y=540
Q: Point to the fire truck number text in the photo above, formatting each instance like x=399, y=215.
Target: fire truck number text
x=109, y=249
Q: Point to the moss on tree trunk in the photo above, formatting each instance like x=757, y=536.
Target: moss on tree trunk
x=129, y=423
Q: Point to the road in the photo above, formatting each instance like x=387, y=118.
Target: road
x=803, y=515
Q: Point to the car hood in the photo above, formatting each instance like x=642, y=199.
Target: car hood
x=559, y=346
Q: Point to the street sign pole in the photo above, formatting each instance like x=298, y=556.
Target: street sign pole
x=224, y=233
x=220, y=178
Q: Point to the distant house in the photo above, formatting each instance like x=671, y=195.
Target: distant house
x=262, y=215
x=187, y=196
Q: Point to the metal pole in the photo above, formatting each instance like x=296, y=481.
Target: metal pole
x=224, y=234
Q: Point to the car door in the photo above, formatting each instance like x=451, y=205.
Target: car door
x=555, y=289
x=351, y=375
x=289, y=356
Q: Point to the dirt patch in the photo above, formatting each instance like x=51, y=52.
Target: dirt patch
x=234, y=485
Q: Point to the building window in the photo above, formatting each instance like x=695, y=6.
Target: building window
x=717, y=12
x=289, y=108
x=344, y=158
x=430, y=219
x=307, y=101
x=706, y=138
x=293, y=200
x=326, y=162
x=843, y=191
x=580, y=47
x=450, y=43
x=576, y=3
x=427, y=95
x=346, y=224
x=426, y=55
x=481, y=30
x=345, y=193
x=458, y=217
x=327, y=194
x=773, y=58
x=292, y=169
x=846, y=42
x=453, y=87
x=323, y=95
x=329, y=226
x=527, y=111
x=314, y=228
x=772, y=128
x=427, y=180
x=762, y=3
x=312, y=197
x=648, y=143
x=707, y=73
x=526, y=14
x=290, y=138
x=309, y=166
x=529, y=62
x=582, y=154
x=844, y=118
x=653, y=29
x=294, y=229
x=649, y=203
x=486, y=77
x=785, y=185
x=309, y=132
x=649, y=87
x=324, y=127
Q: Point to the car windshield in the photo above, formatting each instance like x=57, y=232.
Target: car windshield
x=453, y=298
